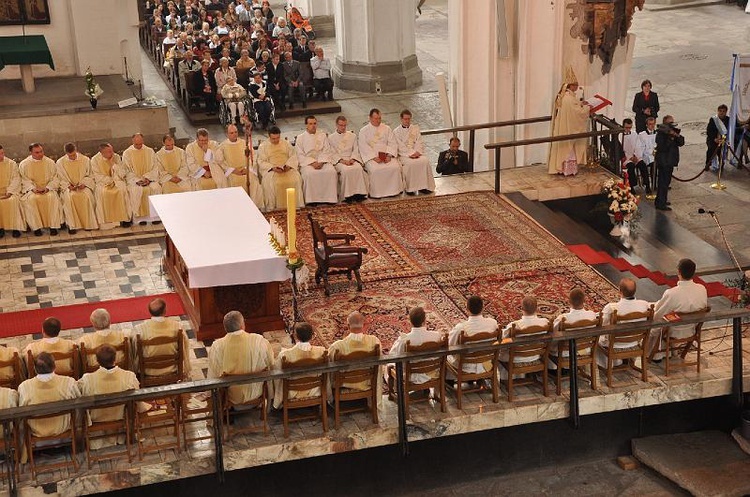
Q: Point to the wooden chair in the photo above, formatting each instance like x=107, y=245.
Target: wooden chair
x=585, y=351
x=91, y=366
x=433, y=367
x=340, y=258
x=303, y=384
x=227, y=406
x=15, y=378
x=472, y=359
x=192, y=94
x=12, y=451
x=68, y=437
x=539, y=350
x=72, y=357
x=681, y=346
x=101, y=430
x=636, y=344
x=341, y=378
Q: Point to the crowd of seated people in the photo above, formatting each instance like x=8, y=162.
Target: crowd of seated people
x=242, y=39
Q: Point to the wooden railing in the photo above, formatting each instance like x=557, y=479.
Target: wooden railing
x=215, y=386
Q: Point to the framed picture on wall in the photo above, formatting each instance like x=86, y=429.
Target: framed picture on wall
x=13, y=12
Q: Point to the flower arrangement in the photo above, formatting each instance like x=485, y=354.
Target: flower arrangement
x=93, y=90
x=622, y=203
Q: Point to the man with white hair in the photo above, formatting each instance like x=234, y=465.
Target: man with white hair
x=379, y=150
x=319, y=177
x=238, y=167
x=203, y=160
x=353, y=181
x=321, y=68
x=102, y=335
x=143, y=177
x=355, y=341
x=417, y=169
x=111, y=192
x=173, y=171
x=233, y=93
x=39, y=183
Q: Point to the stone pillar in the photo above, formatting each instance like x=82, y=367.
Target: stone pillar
x=320, y=13
x=375, y=45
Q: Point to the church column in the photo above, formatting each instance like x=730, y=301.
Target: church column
x=320, y=13
x=375, y=45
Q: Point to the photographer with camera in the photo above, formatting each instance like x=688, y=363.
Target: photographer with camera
x=667, y=157
x=453, y=160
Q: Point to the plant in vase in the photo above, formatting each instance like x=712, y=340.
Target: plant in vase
x=623, y=205
x=93, y=90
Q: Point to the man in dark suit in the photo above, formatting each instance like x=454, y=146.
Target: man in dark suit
x=276, y=81
x=292, y=76
x=453, y=160
x=716, y=131
x=668, y=143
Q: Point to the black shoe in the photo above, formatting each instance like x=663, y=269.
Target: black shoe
x=72, y=231
x=360, y=197
x=663, y=208
x=2, y=232
x=425, y=191
x=125, y=224
x=155, y=222
x=411, y=193
x=53, y=232
x=669, y=203
x=37, y=232
x=142, y=223
x=16, y=234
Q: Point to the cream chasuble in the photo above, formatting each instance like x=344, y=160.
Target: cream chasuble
x=275, y=184
x=386, y=180
x=41, y=210
x=103, y=381
x=48, y=388
x=11, y=217
x=355, y=342
x=233, y=154
x=6, y=354
x=53, y=345
x=571, y=116
x=171, y=164
x=93, y=341
x=296, y=353
x=78, y=206
x=141, y=164
x=353, y=179
x=8, y=398
x=417, y=172
x=240, y=352
x=197, y=158
x=320, y=185
x=164, y=327
x=111, y=191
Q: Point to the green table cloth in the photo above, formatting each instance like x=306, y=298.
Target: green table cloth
x=19, y=50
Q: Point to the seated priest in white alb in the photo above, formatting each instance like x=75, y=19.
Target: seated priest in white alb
x=76, y=190
x=626, y=305
x=379, y=149
x=417, y=169
x=302, y=349
x=279, y=170
x=203, y=160
x=418, y=335
x=143, y=177
x=103, y=335
x=529, y=318
x=319, y=177
x=237, y=166
x=11, y=217
x=577, y=312
x=475, y=324
x=39, y=184
x=173, y=170
x=111, y=192
x=353, y=180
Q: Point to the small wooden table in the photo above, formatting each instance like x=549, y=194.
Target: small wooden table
x=25, y=51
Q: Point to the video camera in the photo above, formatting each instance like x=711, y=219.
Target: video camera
x=666, y=128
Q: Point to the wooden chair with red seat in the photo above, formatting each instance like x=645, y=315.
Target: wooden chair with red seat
x=335, y=258
x=681, y=347
x=538, y=350
x=632, y=344
x=304, y=383
x=478, y=357
x=369, y=374
x=432, y=367
x=585, y=351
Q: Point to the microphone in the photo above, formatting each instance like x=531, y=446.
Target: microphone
x=701, y=210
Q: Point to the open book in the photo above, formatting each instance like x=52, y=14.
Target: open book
x=597, y=102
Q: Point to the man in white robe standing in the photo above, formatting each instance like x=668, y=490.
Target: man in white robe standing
x=76, y=190
x=204, y=162
x=279, y=170
x=353, y=180
x=238, y=167
x=111, y=193
x=11, y=217
x=417, y=170
x=379, y=149
x=143, y=178
x=319, y=177
x=39, y=183
x=173, y=170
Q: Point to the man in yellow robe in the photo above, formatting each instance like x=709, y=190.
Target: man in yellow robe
x=301, y=350
x=111, y=193
x=76, y=190
x=356, y=341
x=570, y=116
x=39, y=183
x=241, y=172
x=6, y=354
x=102, y=335
x=143, y=178
x=279, y=170
x=173, y=170
x=52, y=343
x=204, y=162
x=11, y=217
x=240, y=352
x=161, y=326
x=8, y=398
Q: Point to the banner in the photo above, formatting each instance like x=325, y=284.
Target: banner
x=740, y=88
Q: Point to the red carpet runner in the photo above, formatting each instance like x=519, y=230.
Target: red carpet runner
x=77, y=315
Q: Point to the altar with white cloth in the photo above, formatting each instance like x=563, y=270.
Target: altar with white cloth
x=219, y=257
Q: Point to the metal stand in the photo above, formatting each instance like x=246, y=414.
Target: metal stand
x=573, y=374
x=403, y=439
x=296, y=316
x=718, y=185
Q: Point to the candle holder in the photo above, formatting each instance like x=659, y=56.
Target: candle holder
x=294, y=266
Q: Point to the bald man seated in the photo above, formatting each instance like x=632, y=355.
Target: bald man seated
x=355, y=341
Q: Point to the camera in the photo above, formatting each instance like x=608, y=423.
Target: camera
x=666, y=128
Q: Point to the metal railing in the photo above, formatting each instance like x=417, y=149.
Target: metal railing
x=215, y=386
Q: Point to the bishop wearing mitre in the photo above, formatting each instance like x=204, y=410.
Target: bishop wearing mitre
x=76, y=190
x=111, y=192
x=171, y=160
x=319, y=177
x=279, y=170
x=353, y=180
x=11, y=217
x=39, y=183
x=204, y=162
x=143, y=177
x=379, y=150
x=570, y=116
x=237, y=166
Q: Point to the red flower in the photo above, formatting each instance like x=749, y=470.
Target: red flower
x=618, y=217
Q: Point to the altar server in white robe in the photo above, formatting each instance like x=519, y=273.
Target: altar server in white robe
x=237, y=166
x=39, y=183
x=353, y=180
x=240, y=352
x=204, y=162
x=302, y=350
x=279, y=170
x=529, y=318
x=143, y=177
x=76, y=190
x=111, y=193
x=319, y=177
x=379, y=150
x=417, y=169
x=173, y=170
x=11, y=217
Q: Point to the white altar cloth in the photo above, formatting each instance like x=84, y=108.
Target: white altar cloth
x=222, y=237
